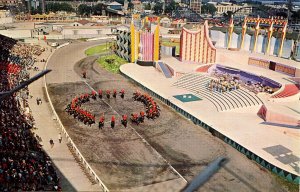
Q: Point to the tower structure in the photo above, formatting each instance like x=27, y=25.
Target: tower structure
x=270, y=24
x=195, y=5
x=145, y=44
x=196, y=45
x=230, y=31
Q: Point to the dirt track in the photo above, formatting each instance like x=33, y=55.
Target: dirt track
x=123, y=161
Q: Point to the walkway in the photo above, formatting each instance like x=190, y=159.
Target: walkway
x=72, y=177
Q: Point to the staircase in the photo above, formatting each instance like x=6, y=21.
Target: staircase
x=197, y=84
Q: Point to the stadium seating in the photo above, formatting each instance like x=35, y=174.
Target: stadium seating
x=197, y=84
x=24, y=166
x=289, y=90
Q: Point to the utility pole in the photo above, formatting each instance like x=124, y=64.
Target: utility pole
x=290, y=8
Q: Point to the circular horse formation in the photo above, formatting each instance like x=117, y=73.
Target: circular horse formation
x=74, y=108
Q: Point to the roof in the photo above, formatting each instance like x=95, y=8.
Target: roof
x=83, y=21
x=135, y=2
x=114, y=4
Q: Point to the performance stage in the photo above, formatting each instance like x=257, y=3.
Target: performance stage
x=240, y=124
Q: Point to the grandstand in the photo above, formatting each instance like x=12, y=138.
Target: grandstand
x=197, y=84
x=24, y=165
x=288, y=90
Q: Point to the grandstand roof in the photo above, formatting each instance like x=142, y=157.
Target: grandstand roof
x=114, y=3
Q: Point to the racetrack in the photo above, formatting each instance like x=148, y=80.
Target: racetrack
x=121, y=158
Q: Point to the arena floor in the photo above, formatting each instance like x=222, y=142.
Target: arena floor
x=122, y=158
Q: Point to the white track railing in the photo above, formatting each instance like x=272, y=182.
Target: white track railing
x=77, y=152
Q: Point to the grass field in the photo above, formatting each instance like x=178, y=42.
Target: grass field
x=97, y=49
x=168, y=43
x=114, y=66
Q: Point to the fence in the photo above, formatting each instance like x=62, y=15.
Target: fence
x=278, y=171
x=77, y=152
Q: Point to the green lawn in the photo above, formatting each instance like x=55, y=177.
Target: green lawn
x=168, y=43
x=115, y=64
x=97, y=49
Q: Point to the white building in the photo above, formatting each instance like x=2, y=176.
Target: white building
x=244, y=9
x=71, y=32
x=5, y=17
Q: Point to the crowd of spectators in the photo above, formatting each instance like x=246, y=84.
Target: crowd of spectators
x=227, y=82
x=27, y=51
x=224, y=83
x=258, y=87
x=24, y=166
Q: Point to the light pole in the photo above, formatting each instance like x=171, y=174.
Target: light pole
x=200, y=5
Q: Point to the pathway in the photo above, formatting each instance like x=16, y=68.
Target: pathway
x=72, y=177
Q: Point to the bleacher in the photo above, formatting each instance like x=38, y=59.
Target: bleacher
x=289, y=90
x=197, y=84
x=24, y=166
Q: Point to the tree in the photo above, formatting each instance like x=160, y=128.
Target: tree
x=170, y=7
x=54, y=7
x=84, y=9
x=130, y=5
x=97, y=9
x=296, y=15
x=147, y=6
x=228, y=14
x=209, y=9
x=282, y=14
x=158, y=8
x=38, y=10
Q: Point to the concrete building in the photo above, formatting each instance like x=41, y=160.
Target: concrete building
x=10, y=2
x=71, y=32
x=123, y=42
x=5, y=17
x=195, y=5
x=244, y=9
x=82, y=22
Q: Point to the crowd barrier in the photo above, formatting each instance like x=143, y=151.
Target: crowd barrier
x=278, y=171
x=62, y=45
x=70, y=141
x=101, y=38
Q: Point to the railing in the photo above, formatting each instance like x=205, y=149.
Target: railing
x=77, y=152
x=278, y=171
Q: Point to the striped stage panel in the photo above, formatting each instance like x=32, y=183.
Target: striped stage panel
x=147, y=46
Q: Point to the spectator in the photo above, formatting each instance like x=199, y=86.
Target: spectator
x=51, y=143
x=23, y=164
x=59, y=137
